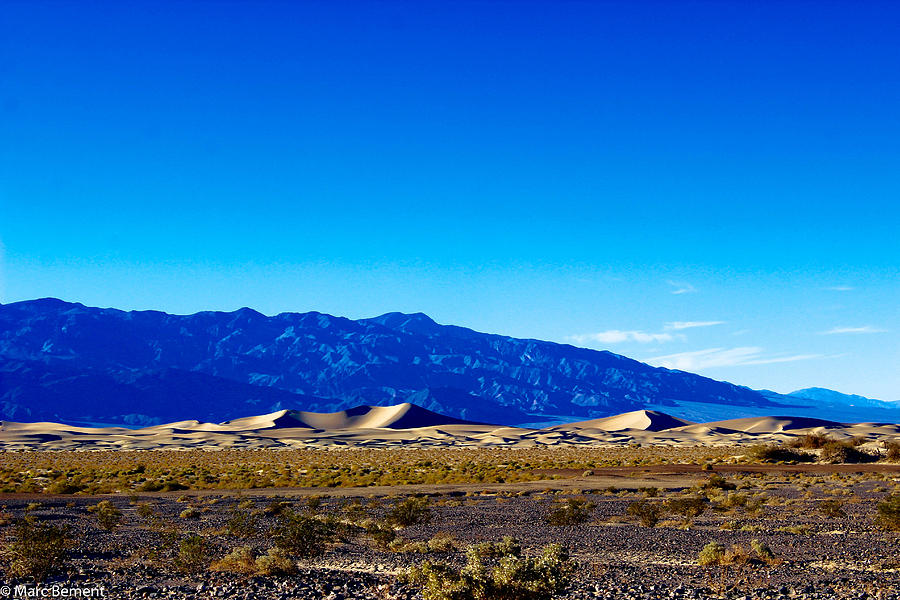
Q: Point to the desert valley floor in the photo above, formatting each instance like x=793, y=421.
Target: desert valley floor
x=343, y=506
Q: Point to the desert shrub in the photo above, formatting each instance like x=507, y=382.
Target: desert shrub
x=688, y=508
x=736, y=555
x=108, y=516
x=572, y=512
x=313, y=503
x=715, y=553
x=810, y=441
x=717, y=482
x=733, y=500
x=712, y=554
x=508, y=546
x=512, y=577
x=649, y=492
x=247, y=504
x=239, y=560
x=777, y=453
x=763, y=552
x=162, y=486
x=844, y=452
x=755, y=504
x=409, y=512
x=889, y=513
x=647, y=513
x=63, y=487
x=275, y=508
x=441, y=542
x=833, y=509
x=275, y=562
x=892, y=451
x=300, y=535
x=193, y=554
x=190, y=513
x=145, y=510
x=241, y=524
x=382, y=533
x=355, y=511
x=35, y=549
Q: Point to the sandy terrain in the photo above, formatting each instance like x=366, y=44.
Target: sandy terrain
x=408, y=425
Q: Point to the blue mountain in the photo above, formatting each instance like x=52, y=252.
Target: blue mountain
x=67, y=362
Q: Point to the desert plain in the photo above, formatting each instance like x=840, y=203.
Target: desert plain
x=387, y=503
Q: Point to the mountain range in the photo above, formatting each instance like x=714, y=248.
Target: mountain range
x=66, y=362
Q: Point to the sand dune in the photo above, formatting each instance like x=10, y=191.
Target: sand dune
x=398, y=416
x=774, y=424
x=645, y=420
x=410, y=425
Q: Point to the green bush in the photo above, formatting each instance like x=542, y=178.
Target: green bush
x=145, y=510
x=508, y=546
x=647, y=513
x=844, y=452
x=241, y=524
x=715, y=553
x=193, y=554
x=775, y=453
x=63, y=487
x=108, y=516
x=763, y=552
x=239, y=560
x=35, y=550
x=810, y=441
x=300, y=535
x=688, y=508
x=893, y=451
x=889, y=513
x=355, y=511
x=410, y=511
x=833, y=509
x=382, y=533
x=441, y=542
x=275, y=562
x=512, y=577
x=712, y=554
x=275, y=508
x=572, y=512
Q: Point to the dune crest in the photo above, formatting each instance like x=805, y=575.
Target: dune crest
x=644, y=420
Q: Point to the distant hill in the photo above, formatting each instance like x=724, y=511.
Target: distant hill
x=832, y=397
x=66, y=362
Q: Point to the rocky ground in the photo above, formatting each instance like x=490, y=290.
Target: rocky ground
x=816, y=555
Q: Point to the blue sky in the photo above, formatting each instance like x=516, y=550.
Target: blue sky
x=704, y=185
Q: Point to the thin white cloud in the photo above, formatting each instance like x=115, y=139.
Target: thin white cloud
x=699, y=360
x=616, y=336
x=678, y=325
x=853, y=330
x=840, y=288
x=681, y=287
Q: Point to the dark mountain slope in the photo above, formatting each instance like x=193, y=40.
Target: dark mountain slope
x=248, y=357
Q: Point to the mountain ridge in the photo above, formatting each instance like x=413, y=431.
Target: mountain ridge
x=67, y=361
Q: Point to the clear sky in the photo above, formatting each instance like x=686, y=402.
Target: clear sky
x=710, y=186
